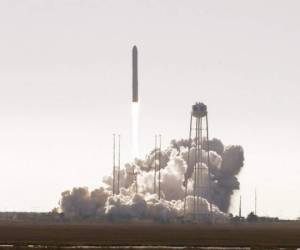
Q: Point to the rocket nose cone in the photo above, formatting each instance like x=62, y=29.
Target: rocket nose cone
x=134, y=48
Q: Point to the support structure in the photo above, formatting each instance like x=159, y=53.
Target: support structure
x=255, y=203
x=198, y=164
x=157, y=167
x=119, y=165
x=240, y=207
x=134, y=178
x=116, y=165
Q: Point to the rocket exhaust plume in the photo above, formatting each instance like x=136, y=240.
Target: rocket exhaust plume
x=135, y=104
x=135, y=129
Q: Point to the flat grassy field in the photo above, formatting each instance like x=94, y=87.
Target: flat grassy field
x=133, y=234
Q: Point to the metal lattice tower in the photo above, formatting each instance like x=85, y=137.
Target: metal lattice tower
x=198, y=163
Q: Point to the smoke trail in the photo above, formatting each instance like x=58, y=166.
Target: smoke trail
x=135, y=129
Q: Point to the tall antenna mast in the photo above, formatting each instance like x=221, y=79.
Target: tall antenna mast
x=155, y=165
x=114, y=162
x=116, y=168
x=255, y=211
x=240, y=208
x=185, y=183
x=119, y=166
x=159, y=166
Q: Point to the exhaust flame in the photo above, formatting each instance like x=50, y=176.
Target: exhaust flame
x=135, y=129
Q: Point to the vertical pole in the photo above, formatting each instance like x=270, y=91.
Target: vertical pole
x=114, y=162
x=255, y=203
x=195, y=168
x=155, y=167
x=159, y=166
x=136, y=183
x=188, y=164
x=198, y=168
x=240, y=208
x=119, y=165
x=208, y=167
x=200, y=165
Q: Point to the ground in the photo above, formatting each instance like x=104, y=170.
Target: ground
x=254, y=235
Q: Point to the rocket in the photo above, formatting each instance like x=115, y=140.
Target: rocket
x=135, y=92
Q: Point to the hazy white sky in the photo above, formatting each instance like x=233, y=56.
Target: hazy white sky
x=65, y=87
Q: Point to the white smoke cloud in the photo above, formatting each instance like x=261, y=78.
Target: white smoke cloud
x=100, y=203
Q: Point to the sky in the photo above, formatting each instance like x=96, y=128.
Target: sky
x=65, y=88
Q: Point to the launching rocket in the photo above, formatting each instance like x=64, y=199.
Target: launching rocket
x=135, y=92
x=135, y=105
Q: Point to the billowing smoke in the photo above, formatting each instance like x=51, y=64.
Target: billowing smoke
x=225, y=164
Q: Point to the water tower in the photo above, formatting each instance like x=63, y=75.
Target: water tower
x=198, y=166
